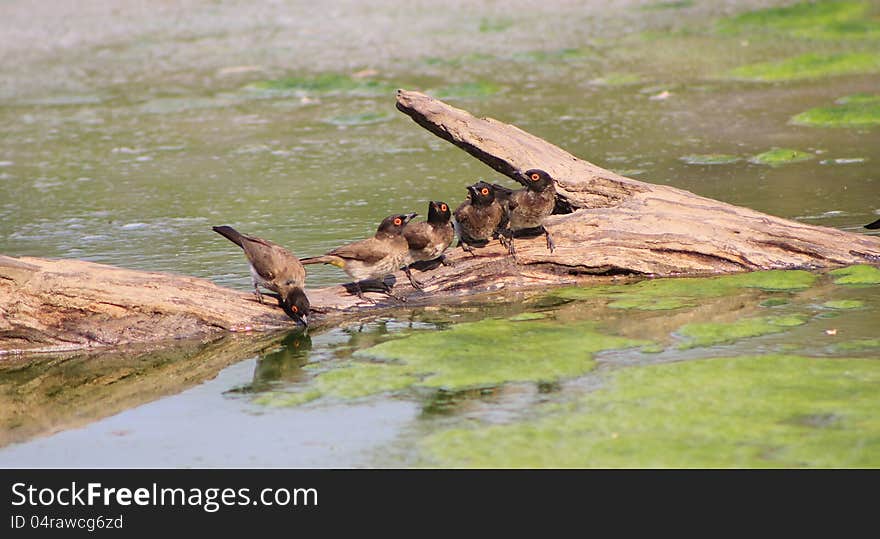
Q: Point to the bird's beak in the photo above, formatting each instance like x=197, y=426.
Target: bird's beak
x=409, y=217
x=304, y=320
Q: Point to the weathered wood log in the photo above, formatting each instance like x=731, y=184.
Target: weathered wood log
x=616, y=226
x=627, y=226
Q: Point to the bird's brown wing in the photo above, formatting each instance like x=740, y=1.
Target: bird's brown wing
x=272, y=261
x=462, y=213
x=368, y=251
x=418, y=235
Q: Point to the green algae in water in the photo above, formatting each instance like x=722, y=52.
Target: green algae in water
x=362, y=379
x=281, y=399
x=468, y=90
x=773, y=280
x=828, y=19
x=858, y=345
x=365, y=118
x=651, y=304
x=710, y=159
x=727, y=412
x=774, y=302
x=679, y=293
x=780, y=156
x=854, y=111
x=701, y=334
x=491, y=352
x=527, y=316
x=860, y=274
x=844, y=304
x=327, y=83
x=808, y=66
x=351, y=381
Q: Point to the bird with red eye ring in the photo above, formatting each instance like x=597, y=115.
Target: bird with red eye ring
x=428, y=240
x=478, y=218
x=275, y=268
x=527, y=208
x=370, y=260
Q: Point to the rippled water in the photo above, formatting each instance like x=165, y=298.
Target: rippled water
x=128, y=133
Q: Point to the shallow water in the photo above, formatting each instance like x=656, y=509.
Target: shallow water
x=128, y=134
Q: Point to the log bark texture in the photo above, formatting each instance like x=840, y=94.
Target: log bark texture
x=614, y=226
x=623, y=225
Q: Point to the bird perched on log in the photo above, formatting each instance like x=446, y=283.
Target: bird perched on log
x=478, y=218
x=428, y=240
x=527, y=208
x=873, y=226
x=275, y=268
x=372, y=258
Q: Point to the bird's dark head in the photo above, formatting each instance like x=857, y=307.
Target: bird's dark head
x=438, y=212
x=296, y=304
x=393, y=225
x=537, y=180
x=481, y=193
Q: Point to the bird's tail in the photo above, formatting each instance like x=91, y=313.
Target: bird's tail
x=324, y=259
x=873, y=226
x=229, y=233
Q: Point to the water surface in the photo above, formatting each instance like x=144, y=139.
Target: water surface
x=129, y=132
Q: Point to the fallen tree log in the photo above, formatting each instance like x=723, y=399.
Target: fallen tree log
x=623, y=225
x=607, y=225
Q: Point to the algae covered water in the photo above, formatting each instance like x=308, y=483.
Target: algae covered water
x=126, y=138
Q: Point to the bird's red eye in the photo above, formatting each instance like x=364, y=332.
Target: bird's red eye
x=295, y=309
x=443, y=207
x=398, y=221
x=485, y=191
x=536, y=177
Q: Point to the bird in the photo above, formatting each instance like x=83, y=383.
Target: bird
x=527, y=208
x=478, y=218
x=372, y=258
x=873, y=226
x=428, y=240
x=275, y=268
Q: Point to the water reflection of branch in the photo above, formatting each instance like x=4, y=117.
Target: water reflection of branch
x=44, y=396
x=284, y=364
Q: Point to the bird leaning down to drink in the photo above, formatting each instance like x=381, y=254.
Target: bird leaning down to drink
x=428, y=240
x=527, y=208
x=275, y=268
x=372, y=258
x=478, y=218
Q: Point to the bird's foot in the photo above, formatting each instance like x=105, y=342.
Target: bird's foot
x=259, y=296
x=412, y=280
x=360, y=294
x=446, y=262
x=507, y=241
x=550, y=244
x=391, y=294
